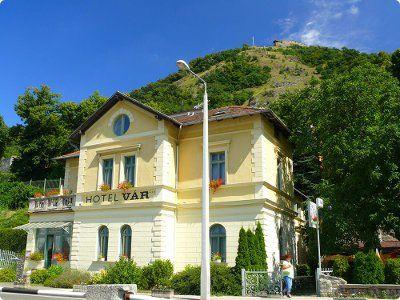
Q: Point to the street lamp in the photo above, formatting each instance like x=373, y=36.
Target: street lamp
x=205, y=206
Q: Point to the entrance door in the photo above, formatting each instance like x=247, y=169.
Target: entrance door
x=49, y=250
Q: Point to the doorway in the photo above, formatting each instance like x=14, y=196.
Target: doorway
x=49, y=250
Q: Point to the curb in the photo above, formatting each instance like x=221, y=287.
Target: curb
x=18, y=290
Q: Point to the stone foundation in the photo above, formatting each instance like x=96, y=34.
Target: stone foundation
x=329, y=285
x=372, y=290
x=106, y=291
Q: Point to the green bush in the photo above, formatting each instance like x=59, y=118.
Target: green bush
x=187, y=282
x=392, y=271
x=123, y=271
x=69, y=278
x=303, y=270
x=11, y=219
x=341, y=267
x=223, y=280
x=55, y=271
x=368, y=269
x=13, y=240
x=157, y=274
x=7, y=275
x=39, y=276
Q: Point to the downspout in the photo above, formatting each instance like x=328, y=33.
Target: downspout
x=177, y=157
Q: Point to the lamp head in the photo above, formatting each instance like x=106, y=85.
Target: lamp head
x=182, y=65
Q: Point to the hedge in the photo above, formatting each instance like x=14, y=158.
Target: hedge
x=223, y=282
x=13, y=240
x=7, y=275
x=123, y=271
x=341, y=267
x=368, y=269
x=392, y=271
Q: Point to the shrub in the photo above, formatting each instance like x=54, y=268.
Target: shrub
x=392, y=271
x=123, y=271
x=36, y=256
x=341, y=267
x=13, y=240
x=69, y=278
x=7, y=275
x=157, y=274
x=368, y=268
x=303, y=270
x=223, y=280
x=187, y=282
x=11, y=219
x=39, y=276
x=55, y=271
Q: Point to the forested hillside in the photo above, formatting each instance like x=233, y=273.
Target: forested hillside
x=343, y=107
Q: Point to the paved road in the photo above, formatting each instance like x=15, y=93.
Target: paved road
x=9, y=296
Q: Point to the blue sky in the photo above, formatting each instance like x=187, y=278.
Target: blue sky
x=77, y=47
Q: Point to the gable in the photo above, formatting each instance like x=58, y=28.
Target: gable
x=111, y=102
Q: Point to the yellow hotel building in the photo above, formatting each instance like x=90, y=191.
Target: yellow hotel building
x=160, y=216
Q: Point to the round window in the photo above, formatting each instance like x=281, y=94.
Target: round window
x=121, y=124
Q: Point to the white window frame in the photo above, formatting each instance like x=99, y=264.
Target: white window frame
x=219, y=146
x=122, y=166
x=100, y=171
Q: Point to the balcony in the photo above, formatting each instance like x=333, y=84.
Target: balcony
x=52, y=203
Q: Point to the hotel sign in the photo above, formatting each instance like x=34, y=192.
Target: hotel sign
x=115, y=197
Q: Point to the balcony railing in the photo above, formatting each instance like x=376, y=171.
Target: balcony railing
x=52, y=203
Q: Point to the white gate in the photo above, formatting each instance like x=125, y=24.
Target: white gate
x=261, y=283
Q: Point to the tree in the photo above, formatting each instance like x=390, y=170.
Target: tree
x=349, y=128
x=74, y=114
x=242, y=260
x=396, y=64
x=252, y=244
x=261, y=252
x=44, y=135
x=3, y=136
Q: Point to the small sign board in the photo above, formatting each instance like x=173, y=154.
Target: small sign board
x=320, y=202
x=312, y=214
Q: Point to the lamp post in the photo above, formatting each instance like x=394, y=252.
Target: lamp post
x=205, y=206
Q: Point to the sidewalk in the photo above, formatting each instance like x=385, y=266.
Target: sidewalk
x=184, y=297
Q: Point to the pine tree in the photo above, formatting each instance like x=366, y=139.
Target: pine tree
x=243, y=257
x=252, y=244
x=262, y=254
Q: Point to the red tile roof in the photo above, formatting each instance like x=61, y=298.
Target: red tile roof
x=196, y=116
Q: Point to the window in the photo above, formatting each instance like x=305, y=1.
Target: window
x=279, y=173
x=129, y=166
x=218, y=240
x=121, y=124
x=108, y=165
x=217, y=168
x=103, y=242
x=126, y=238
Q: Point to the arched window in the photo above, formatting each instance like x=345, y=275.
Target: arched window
x=103, y=242
x=126, y=238
x=218, y=240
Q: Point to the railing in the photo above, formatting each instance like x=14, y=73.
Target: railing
x=52, y=203
x=47, y=184
x=261, y=283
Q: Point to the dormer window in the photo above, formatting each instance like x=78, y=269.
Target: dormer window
x=121, y=124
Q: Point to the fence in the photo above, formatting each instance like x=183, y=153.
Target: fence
x=261, y=283
x=46, y=184
x=8, y=259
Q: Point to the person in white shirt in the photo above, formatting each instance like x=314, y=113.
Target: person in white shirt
x=287, y=274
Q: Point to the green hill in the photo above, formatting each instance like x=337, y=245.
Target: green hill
x=250, y=76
